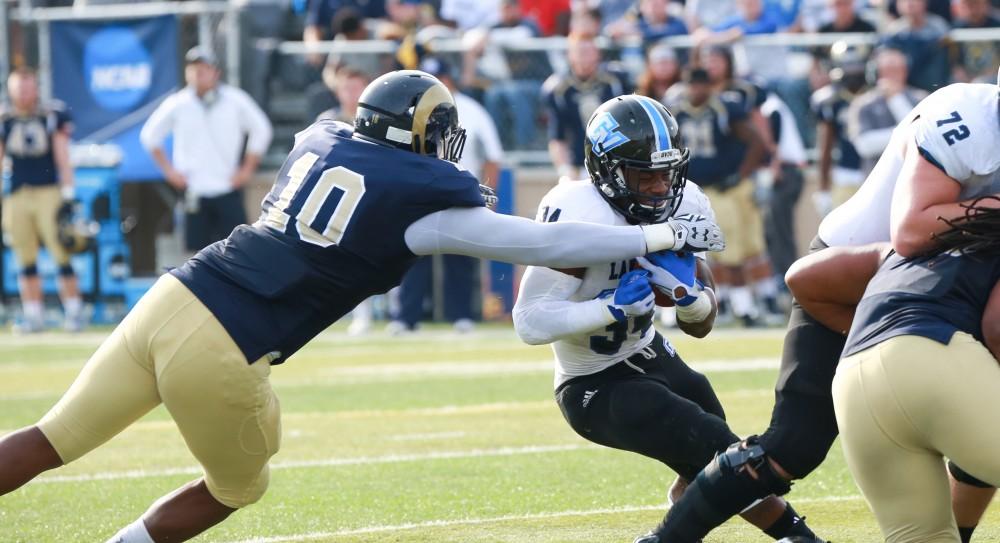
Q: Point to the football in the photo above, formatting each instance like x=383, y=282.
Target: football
x=662, y=299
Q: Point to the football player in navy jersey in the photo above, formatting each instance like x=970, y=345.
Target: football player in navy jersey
x=349, y=211
x=918, y=377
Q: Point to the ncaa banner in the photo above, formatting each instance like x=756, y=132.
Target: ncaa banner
x=112, y=75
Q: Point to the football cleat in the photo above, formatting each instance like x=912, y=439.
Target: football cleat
x=801, y=539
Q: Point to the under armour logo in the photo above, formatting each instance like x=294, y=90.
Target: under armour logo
x=587, y=396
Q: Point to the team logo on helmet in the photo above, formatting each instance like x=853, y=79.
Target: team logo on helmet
x=604, y=135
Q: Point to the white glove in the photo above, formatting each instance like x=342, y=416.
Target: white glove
x=684, y=233
x=823, y=202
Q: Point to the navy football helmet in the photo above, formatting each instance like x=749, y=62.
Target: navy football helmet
x=639, y=134
x=413, y=111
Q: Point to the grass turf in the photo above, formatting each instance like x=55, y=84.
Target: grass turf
x=426, y=438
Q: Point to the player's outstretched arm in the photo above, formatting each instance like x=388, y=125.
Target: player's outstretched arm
x=479, y=232
x=545, y=313
x=830, y=283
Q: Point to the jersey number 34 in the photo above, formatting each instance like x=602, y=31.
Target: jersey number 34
x=317, y=208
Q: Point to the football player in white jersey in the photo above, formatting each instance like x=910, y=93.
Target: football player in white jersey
x=618, y=382
x=940, y=158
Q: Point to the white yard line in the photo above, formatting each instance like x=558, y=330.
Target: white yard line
x=328, y=462
x=489, y=520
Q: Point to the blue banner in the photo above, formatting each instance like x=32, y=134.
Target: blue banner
x=112, y=75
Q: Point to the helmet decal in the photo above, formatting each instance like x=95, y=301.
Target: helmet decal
x=603, y=133
x=659, y=127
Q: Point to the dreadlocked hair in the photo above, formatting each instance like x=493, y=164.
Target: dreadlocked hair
x=976, y=232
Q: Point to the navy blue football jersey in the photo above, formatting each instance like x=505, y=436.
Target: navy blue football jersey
x=927, y=297
x=747, y=94
x=716, y=153
x=830, y=105
x=331, y=233
x=27, y=141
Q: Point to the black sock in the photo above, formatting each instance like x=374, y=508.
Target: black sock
x=789, y=524
x=966, y=533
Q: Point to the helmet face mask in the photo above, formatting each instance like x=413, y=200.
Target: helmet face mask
x=633, y=159
x=413, y=111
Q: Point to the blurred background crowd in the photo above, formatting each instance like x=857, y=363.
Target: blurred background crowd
x=782, y=102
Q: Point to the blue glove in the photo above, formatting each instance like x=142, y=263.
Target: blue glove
x=674, y=274
x=633, y=297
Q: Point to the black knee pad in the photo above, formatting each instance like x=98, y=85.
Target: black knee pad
x=724, y=488
x=962, y=476
x=750, y=454
x=66, y=270
x=30, y=270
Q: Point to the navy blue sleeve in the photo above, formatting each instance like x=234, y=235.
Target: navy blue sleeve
x=735, y=111
x=452, y=187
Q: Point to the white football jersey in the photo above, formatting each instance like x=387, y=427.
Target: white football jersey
x=957, y=128
x=591, y=352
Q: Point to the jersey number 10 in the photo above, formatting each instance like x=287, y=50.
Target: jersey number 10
x=319, y=209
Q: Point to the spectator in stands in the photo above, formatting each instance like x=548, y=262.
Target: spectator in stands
x=482, y=157
x=725, y=151
x=570, y=99
x=838, y=164
x=663, y=70
x=515, y=76
x=347, y=84
x=845, y=18
x=611, y=11
x=921, y=36
x=551, y=16
x=977, y=60
x=321, y=14
x=469, y=14
x=585, y=21
x=209, y=122
x=873, y=115
x=34, y=138
x=941, y=8
x=778, y=193
x=707, y=13
x=653, y=23
x=750, y=18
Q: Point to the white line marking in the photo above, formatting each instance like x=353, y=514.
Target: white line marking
x=351, y=375
x=428, y=436
x=487, y=520
x=328, y=462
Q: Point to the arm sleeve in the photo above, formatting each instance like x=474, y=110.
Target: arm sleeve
x=159, y=125
x=544, y=313
x=482, y=233
x=255, y=123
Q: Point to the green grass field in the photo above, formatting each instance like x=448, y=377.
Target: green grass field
x=427, y=438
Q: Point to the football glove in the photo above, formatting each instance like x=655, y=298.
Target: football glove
x=633, y=297
x=673, y=274
x=696, y=233
x=489, y=196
